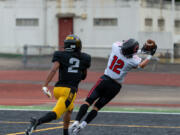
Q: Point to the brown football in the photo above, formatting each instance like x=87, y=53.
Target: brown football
x=150, y=44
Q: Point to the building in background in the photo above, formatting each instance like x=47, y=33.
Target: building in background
x=98, y=23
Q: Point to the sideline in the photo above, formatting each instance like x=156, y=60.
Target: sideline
x=105, y=109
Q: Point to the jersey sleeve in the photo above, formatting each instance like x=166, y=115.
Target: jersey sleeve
x=56, y=56
x=86, y=60
x=136, y=61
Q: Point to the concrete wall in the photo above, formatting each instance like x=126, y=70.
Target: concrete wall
x=97, y=40
x=14, y=37
x=156, y=14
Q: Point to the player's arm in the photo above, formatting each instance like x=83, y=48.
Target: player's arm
x=51, y=74
x=143, y=63
x=84, y=74
x=87, y=64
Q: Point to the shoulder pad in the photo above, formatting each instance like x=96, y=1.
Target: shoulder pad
x=56, y=56
x=86, y=56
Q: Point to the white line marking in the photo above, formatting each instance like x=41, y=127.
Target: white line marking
x=135, y=112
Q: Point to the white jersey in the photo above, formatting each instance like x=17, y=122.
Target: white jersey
x=119, y=65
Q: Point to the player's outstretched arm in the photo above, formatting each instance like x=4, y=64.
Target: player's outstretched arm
x=50, y=76
x=144, y=63
x=150, y=48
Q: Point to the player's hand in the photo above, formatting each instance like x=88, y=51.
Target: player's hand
x=46, y=91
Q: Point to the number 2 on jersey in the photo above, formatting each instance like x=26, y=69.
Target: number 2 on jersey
x=116, y=64
x=74, y=65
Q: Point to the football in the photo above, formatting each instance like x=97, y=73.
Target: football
x=149, y=45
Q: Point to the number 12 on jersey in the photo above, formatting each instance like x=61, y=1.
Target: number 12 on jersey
x=116, y=64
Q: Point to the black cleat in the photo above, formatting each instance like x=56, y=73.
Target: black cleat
x=32, y=127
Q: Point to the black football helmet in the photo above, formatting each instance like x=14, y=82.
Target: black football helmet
x=130, y=47
x=72, y=43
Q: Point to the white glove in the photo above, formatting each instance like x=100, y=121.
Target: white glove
x=46, y=91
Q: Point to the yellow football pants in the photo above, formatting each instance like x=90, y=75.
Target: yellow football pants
x=65, y=98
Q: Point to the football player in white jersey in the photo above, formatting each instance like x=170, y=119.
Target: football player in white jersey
x=123, y=58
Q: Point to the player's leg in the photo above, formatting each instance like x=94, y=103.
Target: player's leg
x=91, y=115
x=108, y=92
x=107, y=96
x=67, y=115
x=92, y=96
x=60, y=107
x=36, y=122
x=58, y=110
x=82, y=111
x=66, y=119
x=102, y=101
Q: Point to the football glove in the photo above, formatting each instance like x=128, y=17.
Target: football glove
x=46, y=91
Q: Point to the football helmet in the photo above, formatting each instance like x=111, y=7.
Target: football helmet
x=72, y=43
x=130, y=47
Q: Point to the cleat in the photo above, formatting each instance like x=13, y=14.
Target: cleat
x=81, y=126
x=32, y=127
x=73, y=127
x=77, y=130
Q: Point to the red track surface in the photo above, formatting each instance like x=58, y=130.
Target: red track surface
x=30, y=94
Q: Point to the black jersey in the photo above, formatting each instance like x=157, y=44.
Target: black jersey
x=71, y=67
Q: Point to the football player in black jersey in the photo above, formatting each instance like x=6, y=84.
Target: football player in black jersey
x=72, y=65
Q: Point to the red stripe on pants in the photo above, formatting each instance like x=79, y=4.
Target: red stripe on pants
x=91, y=91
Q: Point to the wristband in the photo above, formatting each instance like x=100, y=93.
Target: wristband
x=149, y=57
x=44, y=88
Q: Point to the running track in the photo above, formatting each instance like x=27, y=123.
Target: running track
x=23, y=87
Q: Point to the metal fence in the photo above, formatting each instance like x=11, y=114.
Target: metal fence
x=39, y=56
x=35, y=56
